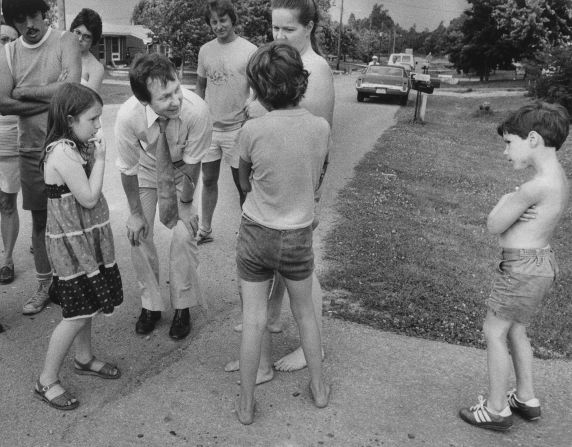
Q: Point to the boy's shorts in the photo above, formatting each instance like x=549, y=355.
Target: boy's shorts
x=521, y=281
x=260, y=251
x=223, y=145
x=34, y=197
x=10, y=174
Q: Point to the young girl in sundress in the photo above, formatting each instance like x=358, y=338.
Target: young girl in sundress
x=78, y=239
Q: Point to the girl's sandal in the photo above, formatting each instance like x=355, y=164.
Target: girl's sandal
x=65, y=401
x=204, y=236
x=107, y=371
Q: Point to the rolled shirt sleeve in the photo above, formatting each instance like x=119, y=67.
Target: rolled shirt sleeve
x=199, y=128
x=127, y=143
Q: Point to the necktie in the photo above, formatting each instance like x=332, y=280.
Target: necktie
x=166, y=190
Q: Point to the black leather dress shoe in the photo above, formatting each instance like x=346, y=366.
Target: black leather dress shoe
x=147, y=320
x=181, y=326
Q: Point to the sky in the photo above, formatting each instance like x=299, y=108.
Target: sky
x=422, y=13
x=111, y=11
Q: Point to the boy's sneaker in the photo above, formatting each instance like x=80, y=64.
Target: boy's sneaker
x=39, y=300
x=481, y=416
x=529, y=410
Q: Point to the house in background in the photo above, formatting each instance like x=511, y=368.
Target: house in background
x=119, y=44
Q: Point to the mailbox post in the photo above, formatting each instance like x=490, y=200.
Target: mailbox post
x=424, y=86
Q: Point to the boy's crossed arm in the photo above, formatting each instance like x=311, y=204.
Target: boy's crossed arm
x=513, y=207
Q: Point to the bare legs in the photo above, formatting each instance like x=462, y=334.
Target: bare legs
x=209, y=197
x=41, y=261
x=496, y=332
x=9, y=225
x=295, y=360
x=255, y=347
x=62, y=338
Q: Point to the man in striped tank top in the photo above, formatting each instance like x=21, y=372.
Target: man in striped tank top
x=32, y=68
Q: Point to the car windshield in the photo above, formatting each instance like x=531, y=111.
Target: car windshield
x=383, y=70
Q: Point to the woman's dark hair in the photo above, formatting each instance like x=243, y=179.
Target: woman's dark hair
x=150, y=66
x=307, y=12
x=13, y=9
x=71, y=99
x=276, y=74
x=221, y=7
x=92, y=21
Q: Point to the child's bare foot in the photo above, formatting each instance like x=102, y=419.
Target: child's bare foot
x=244, y=412
x=273, y=328
x=293, y=361
x=321, y=395
x=262, y=376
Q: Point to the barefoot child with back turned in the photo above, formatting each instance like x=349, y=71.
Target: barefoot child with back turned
x=524, y=220
x=282, y=157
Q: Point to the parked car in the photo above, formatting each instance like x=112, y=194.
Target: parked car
x=383, y=80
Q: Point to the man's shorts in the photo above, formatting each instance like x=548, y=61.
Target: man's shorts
x=261, y=251
x=34, y=197
x=522, y=280
x=10, y=174
x=224, y=145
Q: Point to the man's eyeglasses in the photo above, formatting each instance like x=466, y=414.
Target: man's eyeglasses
x=82, y=36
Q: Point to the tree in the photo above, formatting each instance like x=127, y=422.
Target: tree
x=178, y=23
x=534, y=25
x=483, y=44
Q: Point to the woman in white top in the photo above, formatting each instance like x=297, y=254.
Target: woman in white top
x=295, y=22
x=87, y=27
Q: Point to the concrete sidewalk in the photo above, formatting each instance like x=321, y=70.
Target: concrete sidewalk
x=388, y=390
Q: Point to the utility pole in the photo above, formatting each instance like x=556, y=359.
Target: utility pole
x=394, y=33
x=62, y=14
x=340, y=36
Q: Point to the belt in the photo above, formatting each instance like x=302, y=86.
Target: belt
x=512, y=254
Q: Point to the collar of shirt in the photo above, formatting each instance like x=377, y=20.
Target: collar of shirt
x=152, y=117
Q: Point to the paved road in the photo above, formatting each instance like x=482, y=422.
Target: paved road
x=389, y=390
x=26, y=421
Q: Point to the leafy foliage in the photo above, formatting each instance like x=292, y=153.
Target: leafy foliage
x=178, y=23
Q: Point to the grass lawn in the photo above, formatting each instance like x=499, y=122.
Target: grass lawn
x=411, y=254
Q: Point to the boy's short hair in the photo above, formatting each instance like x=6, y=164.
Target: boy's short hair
x=92, y=21
x=221, y=7
x=276, y=74
x=150, y=66
x=550, y=121
x=14, y=8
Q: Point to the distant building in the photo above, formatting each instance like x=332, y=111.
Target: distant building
x=119, y=44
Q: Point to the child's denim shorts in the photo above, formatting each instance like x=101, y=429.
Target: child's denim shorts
x=260, y=251
x=521, y=281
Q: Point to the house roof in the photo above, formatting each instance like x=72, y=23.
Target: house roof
x=117, y=29
x=139, y=31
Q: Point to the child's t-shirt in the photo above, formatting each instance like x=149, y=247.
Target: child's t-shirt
x=287, y=149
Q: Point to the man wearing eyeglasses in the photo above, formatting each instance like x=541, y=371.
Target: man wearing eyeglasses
x=32, y=68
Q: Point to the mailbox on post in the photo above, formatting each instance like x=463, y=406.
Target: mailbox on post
x=422, y=83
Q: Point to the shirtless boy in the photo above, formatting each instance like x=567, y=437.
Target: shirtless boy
x=524, y=220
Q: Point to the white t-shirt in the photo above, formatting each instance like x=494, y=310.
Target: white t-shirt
x=224, y=67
